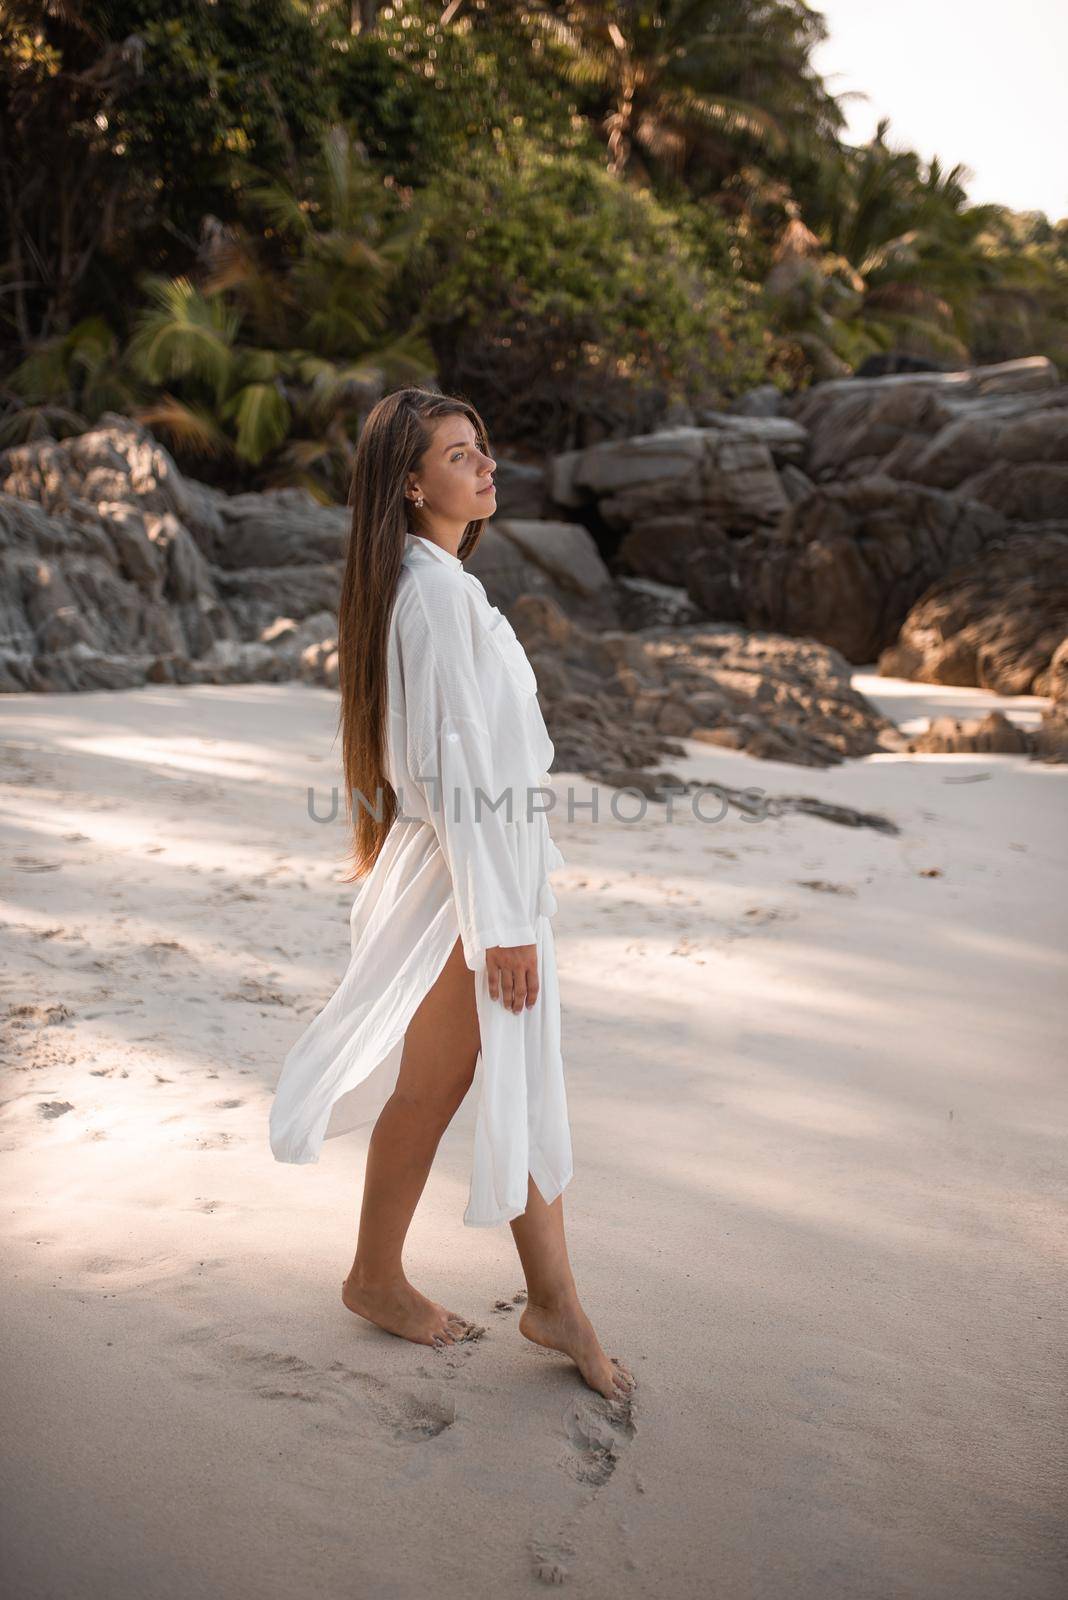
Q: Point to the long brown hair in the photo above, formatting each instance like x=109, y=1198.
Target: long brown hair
x=392, y=443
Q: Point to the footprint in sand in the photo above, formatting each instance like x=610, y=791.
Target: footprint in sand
x=409, y=1418
x=28, y=1015
x=163, y=949
x=399, y=1416
x=551, y=1560
x=598, y=1431
x=257, y=994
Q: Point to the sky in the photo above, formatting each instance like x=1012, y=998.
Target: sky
x=983, y=82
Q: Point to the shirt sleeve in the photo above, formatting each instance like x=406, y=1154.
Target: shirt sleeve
x=450, y=758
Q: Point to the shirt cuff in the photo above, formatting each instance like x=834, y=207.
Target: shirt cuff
x=518, y=933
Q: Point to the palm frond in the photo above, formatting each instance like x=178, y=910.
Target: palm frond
x=186, y=335
x=261, y=413
x=191, y=427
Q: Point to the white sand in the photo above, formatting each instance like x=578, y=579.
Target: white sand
x=819, y=1202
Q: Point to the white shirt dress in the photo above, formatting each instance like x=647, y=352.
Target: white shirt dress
x=465, y=730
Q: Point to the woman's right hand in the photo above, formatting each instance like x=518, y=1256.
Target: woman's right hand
x=513, y=975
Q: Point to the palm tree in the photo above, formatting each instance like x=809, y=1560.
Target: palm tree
x=890, y=253
x=695, y=78
x=283, y=343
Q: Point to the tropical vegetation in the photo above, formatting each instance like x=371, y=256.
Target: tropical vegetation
x=241, y=223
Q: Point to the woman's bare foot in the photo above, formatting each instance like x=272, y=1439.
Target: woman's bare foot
x=401, y=1309
x=566, y=1327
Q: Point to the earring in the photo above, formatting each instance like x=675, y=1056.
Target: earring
x=419, y=501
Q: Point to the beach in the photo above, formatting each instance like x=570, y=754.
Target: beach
x=817, y=1094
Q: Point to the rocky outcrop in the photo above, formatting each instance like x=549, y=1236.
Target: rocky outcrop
x=829, y=516
x=1051, y=737
x=724, y=475
x=619, y=699
x=854, y=424
x=753, y=555
x=995, y=623
x=116, y=570
x=559, y=559
x=847, y=562
x=871, y=486
x=992, y=735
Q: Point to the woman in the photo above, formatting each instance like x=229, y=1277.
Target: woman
x=452, y=964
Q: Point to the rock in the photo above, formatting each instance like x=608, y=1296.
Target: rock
x=114, y=570
x=319, y=664
x=258, y=596
x=185, y=573
x=609, y=469
x=1054, y=681
x=649, y=785
x=1050, y=738
x=644, y=603
x=115, y=461
x=81, y=667
x=660, y=548
x=997, y=435
x=234, y=661
x=637, y=693
x=557, y=559
x=1049, y=742
x=795, y=483
x=1028, y=492
x=965, y=447
x=565, y=551
x=712, y=580
x=786, y=440
x=993, y=623
x=845, y=564
x=993, y=734
x=521, y=491
x=281, y=528
x=139, y=559
x=764, y=401
x=718, y=473
x=858, y=426
x=728, y=738
x=291, y=635
x=1030, y=375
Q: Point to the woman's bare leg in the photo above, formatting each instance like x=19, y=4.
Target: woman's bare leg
x=553, y=1316
x=441, y=1048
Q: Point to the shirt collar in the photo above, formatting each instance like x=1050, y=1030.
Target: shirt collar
x=416, y=541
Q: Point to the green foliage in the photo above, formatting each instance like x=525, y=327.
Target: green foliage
x=421, y=93
x=688, y=87
x=214, y=81
x=545, y=279
x=275, y=353
x=65, y=383
x=242, y=221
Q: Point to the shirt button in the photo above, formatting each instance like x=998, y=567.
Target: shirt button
x=453, y=737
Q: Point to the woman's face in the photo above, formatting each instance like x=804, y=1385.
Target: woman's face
x=455, y=480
